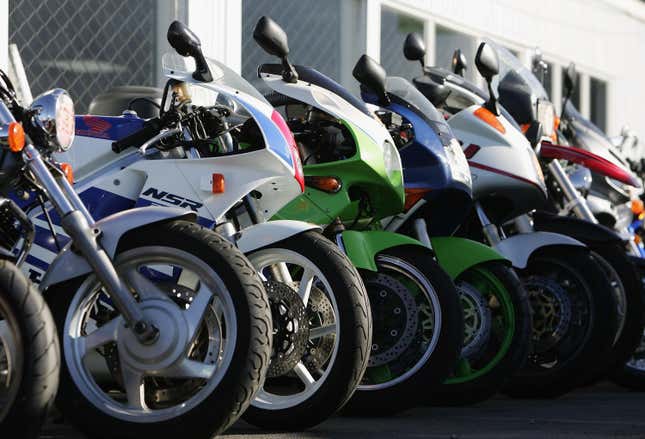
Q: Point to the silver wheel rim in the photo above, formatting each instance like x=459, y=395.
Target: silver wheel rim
x=263, y=259
x=208, y=311
x=430, y=293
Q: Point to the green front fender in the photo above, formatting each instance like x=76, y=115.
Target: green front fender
x=456, y=255
x=362, y=247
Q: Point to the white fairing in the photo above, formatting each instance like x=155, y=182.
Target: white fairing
x=509, y=153
x=261, y=235
x=518, y=248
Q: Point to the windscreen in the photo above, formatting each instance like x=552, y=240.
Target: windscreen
x=408, y=93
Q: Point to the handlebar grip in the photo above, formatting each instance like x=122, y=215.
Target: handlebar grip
x=150, y=129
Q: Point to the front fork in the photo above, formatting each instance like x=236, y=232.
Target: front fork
x=80, y=226
x=575, y=201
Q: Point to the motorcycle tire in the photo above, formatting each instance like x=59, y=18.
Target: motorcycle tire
x=389, y=386
x=337, y=297
x=29, y=353
x=497, y=318
x=208, y=260
x=574, y=321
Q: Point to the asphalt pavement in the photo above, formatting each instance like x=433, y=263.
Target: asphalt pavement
x=605, y=411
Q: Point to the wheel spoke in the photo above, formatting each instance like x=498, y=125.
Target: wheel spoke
x=102, y=335
x=304, y=288
x=303, y=373
x=196, y=310
x=134, y=387
x=145, y=288
x=282, y=272
x=189, y=369
x=321, y=331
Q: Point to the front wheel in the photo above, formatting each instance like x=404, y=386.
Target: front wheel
x=418, y=332
x=322, y=332
x=574, y=321
x=208, y=361
x=497, y=332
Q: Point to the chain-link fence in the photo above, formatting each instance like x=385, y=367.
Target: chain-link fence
x=85, y=46
x=313, y=27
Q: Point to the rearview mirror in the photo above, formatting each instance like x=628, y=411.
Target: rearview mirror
x=414, y=49
x=487, y=62
x=570, y=79
x=459, y=63
x=372, y=76
x=186, y=43
x=273, y=39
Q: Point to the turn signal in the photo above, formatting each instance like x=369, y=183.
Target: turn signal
x=68, y=171
x=487, y=116
x=16, y=137
x=326, y=184
x=413, y=195
x=637, y=206
x=218, y=184
x=637, y=239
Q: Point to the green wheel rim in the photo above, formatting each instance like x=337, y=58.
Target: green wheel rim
x=487, y=284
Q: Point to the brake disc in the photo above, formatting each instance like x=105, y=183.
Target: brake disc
x=396, y=318
x=552, y=312
x=320, y=312
x=478, y=319
x=290, y=328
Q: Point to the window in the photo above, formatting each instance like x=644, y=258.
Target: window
x=598, y=102
x=394, y=28
x=447, y=41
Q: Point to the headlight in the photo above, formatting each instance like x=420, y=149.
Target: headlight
x=391, y=158
x=457, y=161
x=54, y=115
x=546, y=116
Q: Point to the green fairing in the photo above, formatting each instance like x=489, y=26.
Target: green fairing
x=362, y=247
x=456, y=255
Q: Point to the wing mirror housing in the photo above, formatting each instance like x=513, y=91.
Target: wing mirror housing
x=534, y=134
x=414, y=49
x=570, y=79
x=273, y=39
x=372, y=76
x=487, y=64
x=186, y=43
x=459, y=63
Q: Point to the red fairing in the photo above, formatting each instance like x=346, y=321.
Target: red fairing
x=295, y=154
x=588, y=160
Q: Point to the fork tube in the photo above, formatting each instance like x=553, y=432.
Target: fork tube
x=84, y=238
x=75, y=199
x=575, y=200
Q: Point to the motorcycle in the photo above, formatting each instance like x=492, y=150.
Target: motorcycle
x=164, y=325
x=353, y=179
x=218, y=148
x=437, y=180
x=573, y=316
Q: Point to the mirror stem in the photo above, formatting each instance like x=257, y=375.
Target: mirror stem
x=289, y=73
x=491, y=104
x=202, y=73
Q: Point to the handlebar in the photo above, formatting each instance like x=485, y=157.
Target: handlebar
x=150, y=129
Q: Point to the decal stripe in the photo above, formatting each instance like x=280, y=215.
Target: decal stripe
x=504, y=173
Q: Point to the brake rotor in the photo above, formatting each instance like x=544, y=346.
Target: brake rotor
x=320, y=312
x=478, y=319
x=396, y=318
x=290, y=328
x=552, y=312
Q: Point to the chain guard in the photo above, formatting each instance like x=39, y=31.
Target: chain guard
x=290, y=328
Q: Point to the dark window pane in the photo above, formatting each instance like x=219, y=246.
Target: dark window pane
x=598, y=107
x=85, y=46
x=394, y=28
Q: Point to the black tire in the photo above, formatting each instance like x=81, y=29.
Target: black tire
x=587, y=337
x=634, y=318
x=484, y=386
x=37, y=354
x=414, y=390
x=250, y=357
x=353, y=348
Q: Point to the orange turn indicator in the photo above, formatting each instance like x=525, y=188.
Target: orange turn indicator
x=637, y=206
x=218, y=184
x=488, y=117
x=68, y=171
x=16, y=137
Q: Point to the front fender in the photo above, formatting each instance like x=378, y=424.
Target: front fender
x=577, y=228
x=362, y=247
x=518, y=248
x=456, y=255
x=68, y=265
x=263, y=234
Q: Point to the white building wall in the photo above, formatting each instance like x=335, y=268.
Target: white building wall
x=603, y=37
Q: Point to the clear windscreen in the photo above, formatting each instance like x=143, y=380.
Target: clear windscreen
x=179, y=67
x=407, y=92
